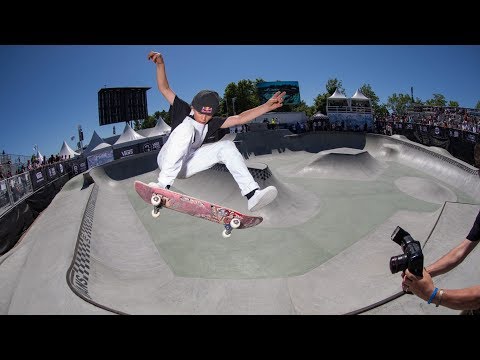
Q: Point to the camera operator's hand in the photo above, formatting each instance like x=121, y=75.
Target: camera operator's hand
x=421, y=287
x=405, y=287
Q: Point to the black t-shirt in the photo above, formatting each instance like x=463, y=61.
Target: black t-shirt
x=474, y=234
x=181, y=109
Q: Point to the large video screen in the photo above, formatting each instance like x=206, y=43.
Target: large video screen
x=122, y=104
x=267, y=89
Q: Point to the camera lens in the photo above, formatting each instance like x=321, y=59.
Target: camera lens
x=398, y=263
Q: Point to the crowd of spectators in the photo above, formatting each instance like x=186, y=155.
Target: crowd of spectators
x=446, y=117
x=9, y=168
x=325, y=125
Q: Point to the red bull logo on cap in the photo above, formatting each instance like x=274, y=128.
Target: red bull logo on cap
x=206, y=110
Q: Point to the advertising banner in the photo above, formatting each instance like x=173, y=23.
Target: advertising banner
x=152, y=145
x=38, y=177
x=78, y=167
x=125, y=151
x=51, y=172
x=60, y=168
x=100, y=158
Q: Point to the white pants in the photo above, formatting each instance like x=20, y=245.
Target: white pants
x=177, y=160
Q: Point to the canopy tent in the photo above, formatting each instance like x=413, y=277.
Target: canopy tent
x=337, y=99
x=337, y=102
x=96, y=143
x=360, y=102
x=101, y=146
x=359, y=96
x=66, y=152
x=128, y=137
x=160, y=129
x=337, y=95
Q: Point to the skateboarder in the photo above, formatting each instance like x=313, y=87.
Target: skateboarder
x=184, y=154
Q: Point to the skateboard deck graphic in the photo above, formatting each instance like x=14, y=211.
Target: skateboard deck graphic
x=163, y=198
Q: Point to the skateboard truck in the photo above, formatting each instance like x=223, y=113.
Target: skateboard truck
x=234, y=224
x=156, y=201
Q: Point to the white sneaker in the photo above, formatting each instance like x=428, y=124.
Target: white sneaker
x=262, y=198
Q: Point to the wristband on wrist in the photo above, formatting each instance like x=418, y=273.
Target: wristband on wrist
x=440, y=294
x=432, y=296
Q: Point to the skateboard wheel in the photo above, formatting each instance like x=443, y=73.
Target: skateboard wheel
x=235, y=223
x=226, y=233
x=156, y=199
x=155, y=213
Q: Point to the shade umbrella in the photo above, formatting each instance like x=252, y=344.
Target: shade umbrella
x=319, y=116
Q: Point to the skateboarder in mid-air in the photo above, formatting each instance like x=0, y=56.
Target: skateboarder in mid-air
x=184, y=153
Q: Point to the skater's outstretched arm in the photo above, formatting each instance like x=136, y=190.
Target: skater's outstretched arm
x=162, y=81
x=273, y=103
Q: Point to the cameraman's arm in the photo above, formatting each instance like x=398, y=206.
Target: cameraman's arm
x=460, y=299
x=457, y=299
x=453, y=258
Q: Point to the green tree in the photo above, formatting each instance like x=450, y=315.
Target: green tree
x=418, y=101
x=478, y=105
x=453, y=103
x=223, y=108
x=366, y=90
x=149, y=122
x=239, y=97
x=381, y=111
x=320, y=103
x=166, y=117
x=303, y=107
x=398, y=103
x=437, y=100
x=137, y=125
x=334, y=84
x=229, y=93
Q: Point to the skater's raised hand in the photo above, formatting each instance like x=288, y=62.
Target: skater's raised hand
x=156, y=57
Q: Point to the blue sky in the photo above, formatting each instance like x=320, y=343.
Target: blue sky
x=47, y=91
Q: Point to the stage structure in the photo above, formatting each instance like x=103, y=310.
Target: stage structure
x=354, y=114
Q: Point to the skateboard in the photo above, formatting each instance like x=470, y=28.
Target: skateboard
x=229, y=218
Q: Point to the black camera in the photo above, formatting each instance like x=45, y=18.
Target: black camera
x=412, y=257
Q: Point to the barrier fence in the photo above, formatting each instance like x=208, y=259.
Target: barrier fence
x=23, y=197
x=14, y=189
x=462, y=144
